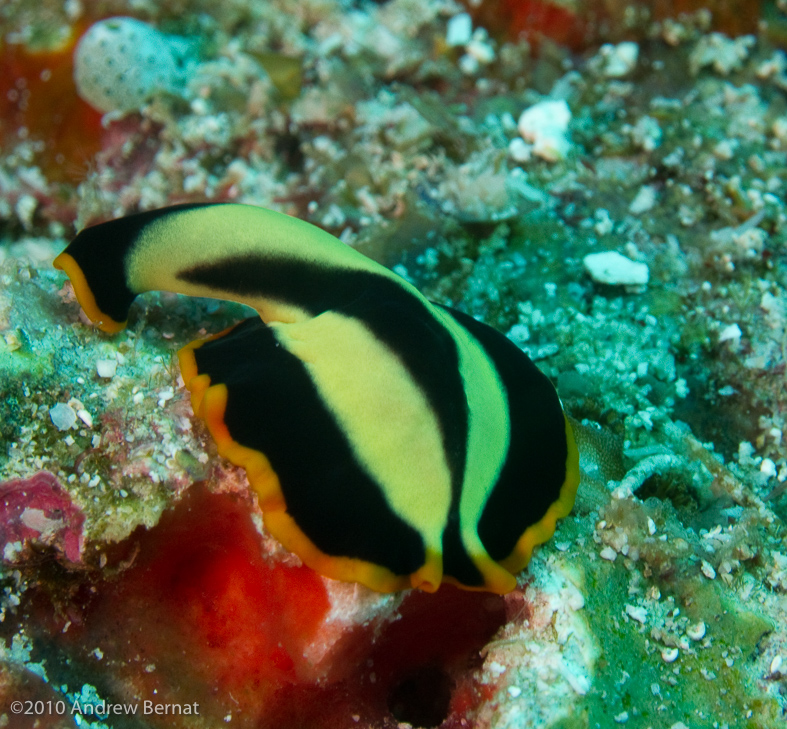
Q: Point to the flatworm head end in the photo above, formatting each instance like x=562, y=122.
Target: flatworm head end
x=65, y=262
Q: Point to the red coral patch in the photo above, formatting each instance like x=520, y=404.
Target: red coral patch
x=204, y=618
x=38, y=100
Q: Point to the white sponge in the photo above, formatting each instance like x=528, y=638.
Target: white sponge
x=120, y=63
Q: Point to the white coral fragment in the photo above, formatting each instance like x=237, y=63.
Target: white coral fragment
x=544, y=125
x=613, y=269
x=617, y=60
x=724, y=55
x=459, y=30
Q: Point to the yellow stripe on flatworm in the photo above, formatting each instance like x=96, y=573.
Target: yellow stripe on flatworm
x=402, y=451
x=265, y=482
x=85, y=297
x=488, y=432
x=185, y=239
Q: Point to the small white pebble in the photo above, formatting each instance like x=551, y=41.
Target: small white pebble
x=514, y=691
x=725, y=149
x=63, y=416
x=69, y=441
x=745, y=450
x=459, y=30
x=11, y=550
x=776, y=665
x=519, y=150
x=496, y=669
x=651, y=527
x=644, y=200
x=622, y=718
x=768, y=467
x=707, y=570
x=696, y=631
x=85, y=417
x=640, y=614
x=468, y=64
x=669, y=655
x=519, y=333
x=545, y=125
x=479, y=49
x=611, y=268
x=732, y=333
x=608, y=553
x=106, y=368
x=619, y=60
x=604, y=223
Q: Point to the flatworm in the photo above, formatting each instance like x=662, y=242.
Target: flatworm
x=391, y=441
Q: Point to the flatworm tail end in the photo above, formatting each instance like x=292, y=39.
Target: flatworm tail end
x=498, y=578
x=544, y=529
x=87, y=300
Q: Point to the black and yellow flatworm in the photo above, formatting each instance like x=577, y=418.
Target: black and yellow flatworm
x=391, y=441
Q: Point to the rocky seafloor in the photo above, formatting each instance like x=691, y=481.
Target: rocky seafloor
x=488, y=153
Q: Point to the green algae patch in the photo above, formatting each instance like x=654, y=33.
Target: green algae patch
x=740, y=626
x=623, y=652
x=668, y=659
x=664, y=604
x=579, y=720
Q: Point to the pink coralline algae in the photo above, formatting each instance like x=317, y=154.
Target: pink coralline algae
x=39, y=511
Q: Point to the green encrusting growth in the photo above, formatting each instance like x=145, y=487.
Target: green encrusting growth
x=632, y=677
x=391, y=441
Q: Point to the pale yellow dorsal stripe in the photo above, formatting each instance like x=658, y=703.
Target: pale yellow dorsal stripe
x=203, y=236
x=387, y=419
